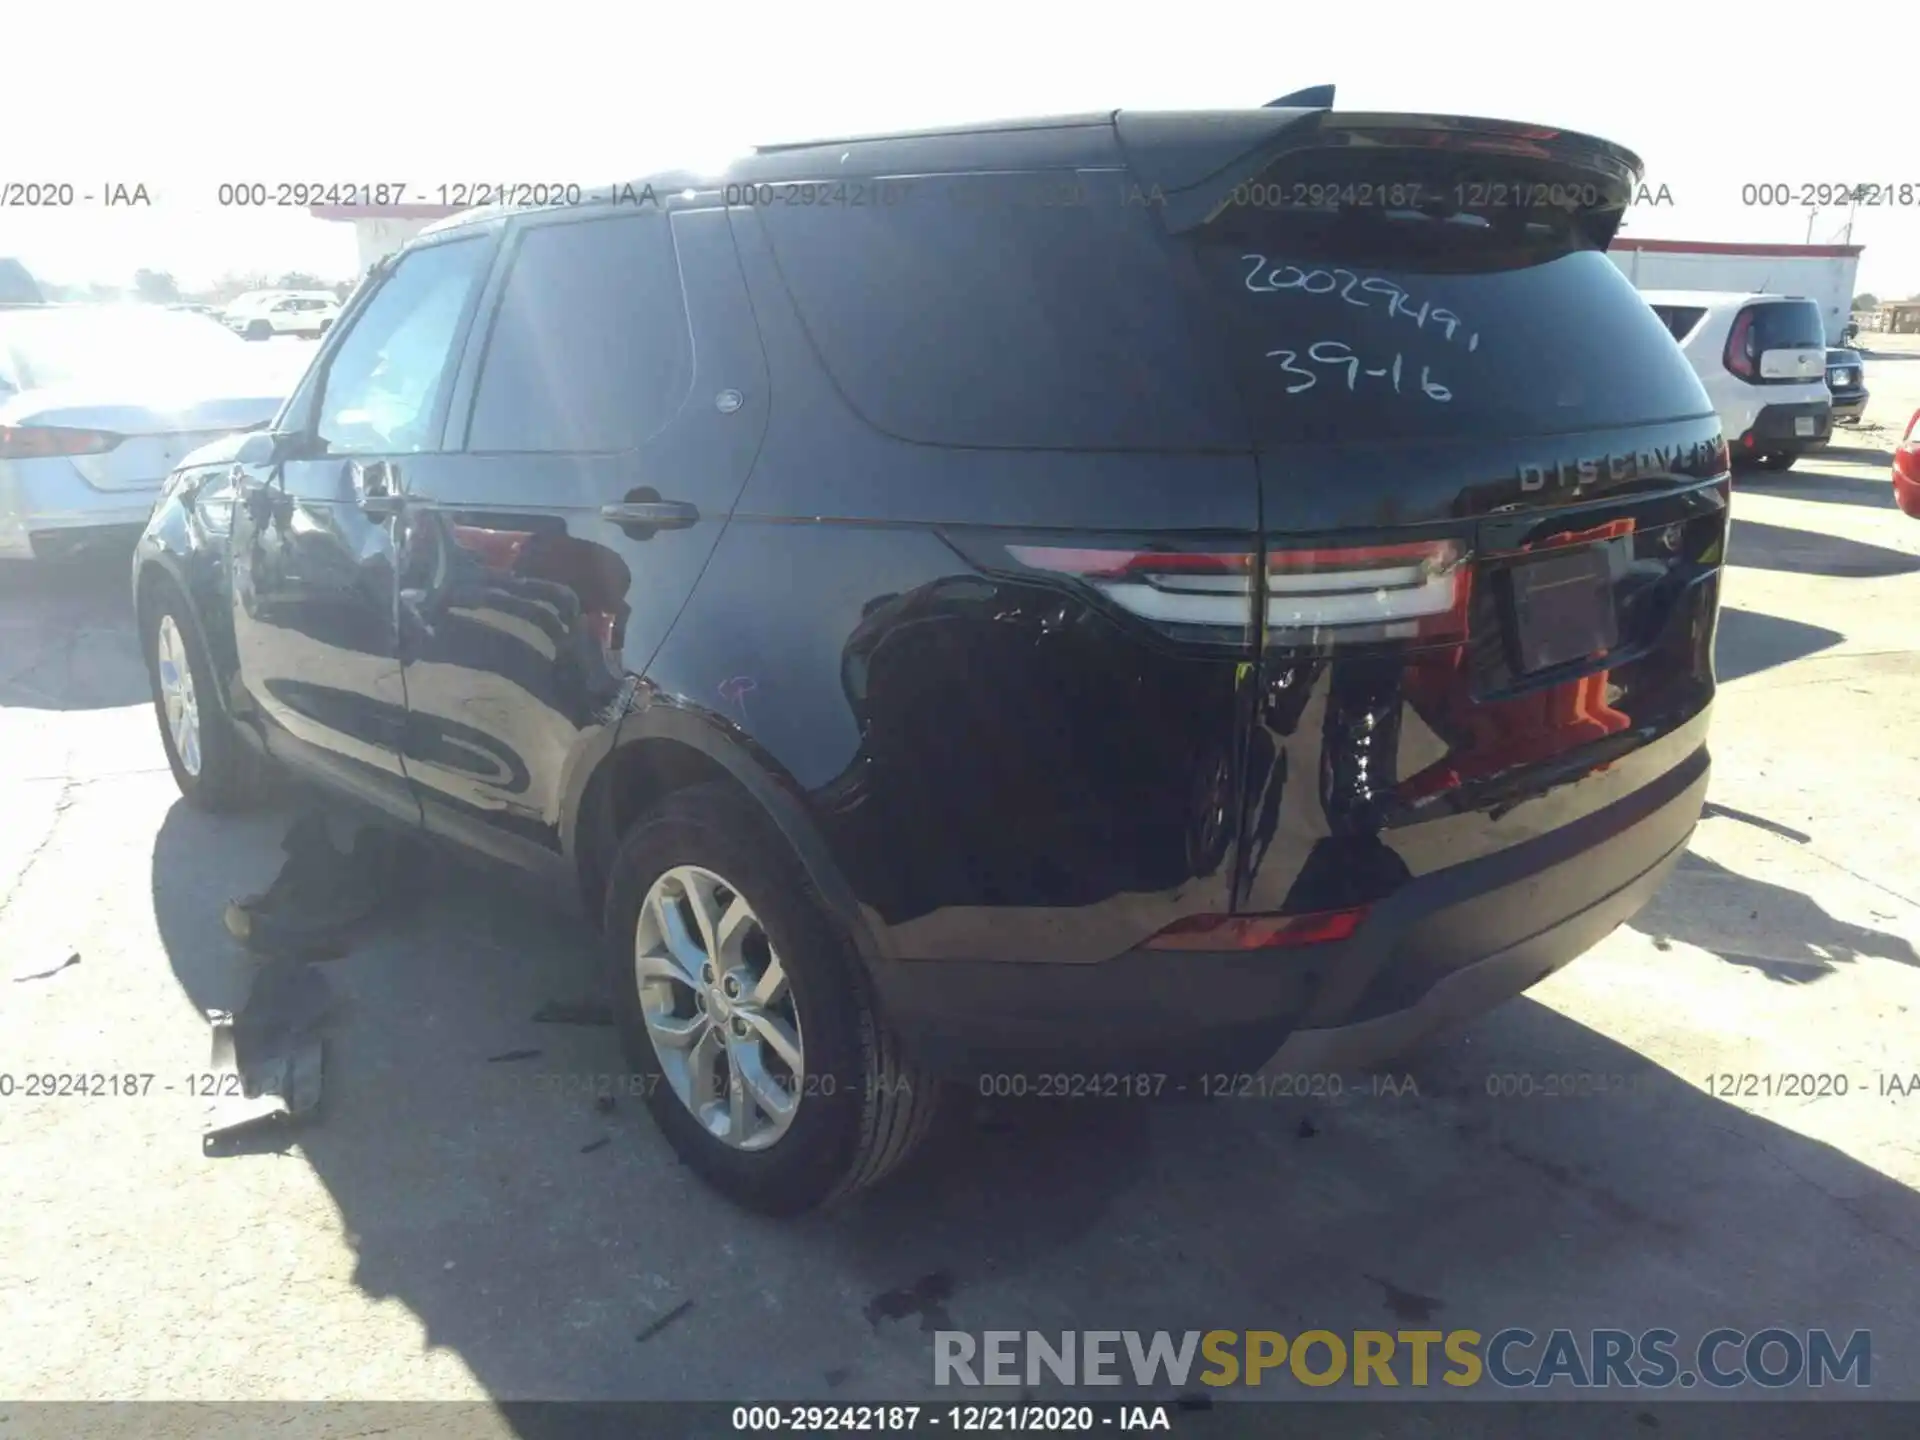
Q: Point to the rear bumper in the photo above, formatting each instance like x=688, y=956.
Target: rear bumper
x=1776, y=429
x=1441, y=949
x=50, y=498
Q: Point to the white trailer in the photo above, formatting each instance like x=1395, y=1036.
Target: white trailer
x=1821, y=273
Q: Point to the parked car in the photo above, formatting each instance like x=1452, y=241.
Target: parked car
x=1762, y=359
x=1906, y=469
x=1119, y=657
x=98, y=403
x=1847, y=383
x=238, y=309
x=289, y=312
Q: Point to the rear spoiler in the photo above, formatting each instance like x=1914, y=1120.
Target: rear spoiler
x=1314, y=97
x=1196, y=160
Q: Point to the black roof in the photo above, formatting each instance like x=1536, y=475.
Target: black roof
x=1175, y=150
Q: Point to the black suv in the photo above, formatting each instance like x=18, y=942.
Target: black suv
x=1847, y=379
x=1074, y=606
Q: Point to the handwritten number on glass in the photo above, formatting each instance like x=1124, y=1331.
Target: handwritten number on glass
x=1335, y=352
x=1262, y=280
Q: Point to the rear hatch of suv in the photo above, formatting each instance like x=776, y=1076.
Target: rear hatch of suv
x=1490, y=499
x=1398, y=509
x=1778, y=342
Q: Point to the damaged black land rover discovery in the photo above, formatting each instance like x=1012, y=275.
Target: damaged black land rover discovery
x=1077, y=597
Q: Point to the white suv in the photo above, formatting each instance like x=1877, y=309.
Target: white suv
x=285, y=312
x=1763, y=360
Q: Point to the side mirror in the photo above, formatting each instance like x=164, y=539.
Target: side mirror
x=261, y=447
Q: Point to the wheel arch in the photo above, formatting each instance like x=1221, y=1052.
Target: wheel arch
x=666, y=748
x=159, y=568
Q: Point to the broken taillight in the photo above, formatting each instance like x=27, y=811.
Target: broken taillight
x=1416, y=590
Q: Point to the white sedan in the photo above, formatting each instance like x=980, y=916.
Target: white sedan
x=99, y=402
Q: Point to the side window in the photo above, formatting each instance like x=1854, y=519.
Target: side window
x=589, y=350
x=385, y=376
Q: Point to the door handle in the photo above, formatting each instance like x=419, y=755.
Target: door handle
x=651, y=515
x=376, y=488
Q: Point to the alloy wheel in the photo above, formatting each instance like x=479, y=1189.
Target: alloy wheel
x=718, y=1008
x=176, y=693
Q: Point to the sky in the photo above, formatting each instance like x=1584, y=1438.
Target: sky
x=184, y=97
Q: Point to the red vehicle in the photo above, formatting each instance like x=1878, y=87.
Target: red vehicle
x=1906, y=469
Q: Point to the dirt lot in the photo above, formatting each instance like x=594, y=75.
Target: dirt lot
x=452, y=1228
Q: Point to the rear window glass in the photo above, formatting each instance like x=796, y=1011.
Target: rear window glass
x=1680, y=319
x=1788, y=325
x=1055, y=311
x=1007, y=310
x=1396, y=324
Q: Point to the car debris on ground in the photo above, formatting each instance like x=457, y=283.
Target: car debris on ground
x=269, y=1056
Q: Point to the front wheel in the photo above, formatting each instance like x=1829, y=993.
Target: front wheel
x=745, y=1013
x=210, y=764
x=259, y=330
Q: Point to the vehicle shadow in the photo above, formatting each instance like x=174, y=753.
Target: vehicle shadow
x=67, y=639
x=1748, y=642
x=1841, y=489
x=1858, y=453
x=1754, y=545
x=559, y=1249
x=1778, y=931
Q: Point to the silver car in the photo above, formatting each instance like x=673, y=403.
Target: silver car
x=99, y=402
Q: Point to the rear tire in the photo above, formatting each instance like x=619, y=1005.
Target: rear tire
x=211, y=764
x=859, y=1107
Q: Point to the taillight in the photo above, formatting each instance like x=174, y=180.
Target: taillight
x=1209, y=589
x=1315, y=596
x=1907, y=439
x=1257, y=932
x=38, y=442
x=1412, y=591
x=1739, y=353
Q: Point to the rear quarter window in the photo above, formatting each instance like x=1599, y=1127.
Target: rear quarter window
x=1007, y=310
